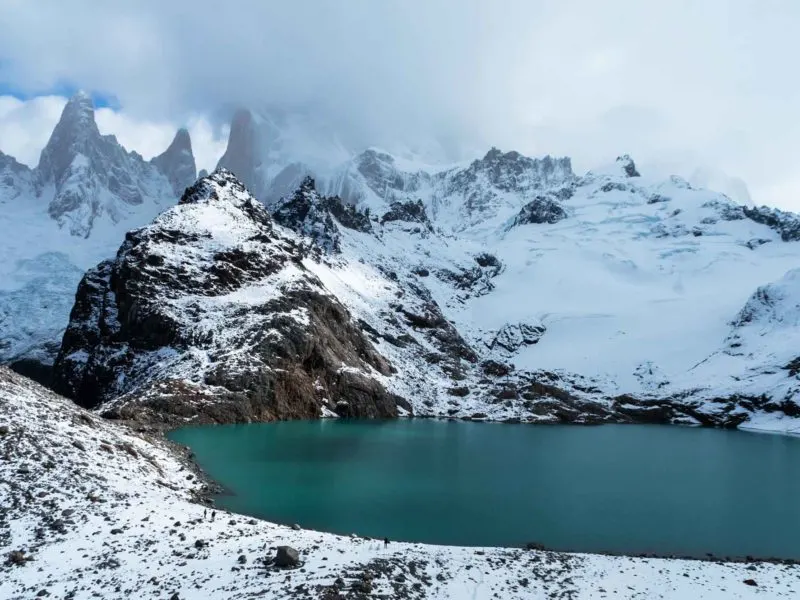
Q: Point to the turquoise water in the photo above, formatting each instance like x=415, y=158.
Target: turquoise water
x=617, y=488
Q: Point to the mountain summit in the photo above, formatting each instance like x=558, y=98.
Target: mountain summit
x=177, y=162
x=91, y=177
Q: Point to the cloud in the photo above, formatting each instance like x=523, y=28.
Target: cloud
x=25, y=126
x=680, y=83
x=150, y=138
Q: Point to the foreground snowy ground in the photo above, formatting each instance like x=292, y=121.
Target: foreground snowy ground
x=91, y=509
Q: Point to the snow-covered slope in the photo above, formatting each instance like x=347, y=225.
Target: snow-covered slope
x=612, y=287
x=90, y=508
x=578, y=299
x=72, y=210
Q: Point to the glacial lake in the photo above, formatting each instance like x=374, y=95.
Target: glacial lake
x=617, y=488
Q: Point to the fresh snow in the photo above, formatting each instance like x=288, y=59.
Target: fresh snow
x=102, y=509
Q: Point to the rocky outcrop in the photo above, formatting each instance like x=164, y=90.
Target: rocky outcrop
x=542, y=209
x=16, y=179
x=410, y=212
x=208, y=313
x=177, y=163
x=481, y=185
x=319, y=217
x=785, y=223
x=625, y=162
x=510, y=338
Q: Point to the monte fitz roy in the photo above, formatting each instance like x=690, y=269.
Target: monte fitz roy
x=507, y=288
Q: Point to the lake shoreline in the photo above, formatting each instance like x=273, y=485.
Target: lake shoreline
x=216, y=489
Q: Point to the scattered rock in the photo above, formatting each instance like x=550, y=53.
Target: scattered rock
x=751, y=582
x=242, y=559
x=17, y=557
x=79, y=445
x=286, y=557
x=296, y=527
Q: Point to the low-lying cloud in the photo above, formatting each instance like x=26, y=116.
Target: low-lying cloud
x=676, y=84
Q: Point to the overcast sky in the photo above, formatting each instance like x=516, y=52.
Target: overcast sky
x=677, y=84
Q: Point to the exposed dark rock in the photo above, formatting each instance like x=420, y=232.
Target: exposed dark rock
x=785, y=223
x=793, y=367
x=411, y=211
x=756, y=242
x=138, y=325
x=40, y=372
x=542, y=209
x=628, y=166
x=286, y=557
x=460, y=391
x=512, y=337
x=496, y=369
x=316, y=216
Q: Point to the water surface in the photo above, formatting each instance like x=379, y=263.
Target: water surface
x=618, y=488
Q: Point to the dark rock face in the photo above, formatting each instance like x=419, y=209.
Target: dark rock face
x=243, y=154
x=785, y=223
x=481, y=184
x=475, y=280
x=286, y=557
x=208, y=313
x=318, y=217
x=177, y=162
x=512, y=337
x=411, y=212
x=541, y=209
x=511, y=171
x=628, y=166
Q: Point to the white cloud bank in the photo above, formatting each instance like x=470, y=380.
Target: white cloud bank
x=677, y=84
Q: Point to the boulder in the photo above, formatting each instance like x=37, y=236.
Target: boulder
x=286, y=557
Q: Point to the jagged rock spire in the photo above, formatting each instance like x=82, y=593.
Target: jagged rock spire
x=74, y=134
x=177, y=162
x=242, y=156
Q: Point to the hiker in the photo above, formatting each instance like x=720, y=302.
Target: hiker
x=385, y=542
x=213, y=515
x=205, y=514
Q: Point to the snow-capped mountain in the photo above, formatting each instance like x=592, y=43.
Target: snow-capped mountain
x=555, y=298
x=72, y=210
x=507, y=286
x=271, y=151
x=213, y=302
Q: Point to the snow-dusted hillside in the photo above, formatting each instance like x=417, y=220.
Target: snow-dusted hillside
x=92, y=508
x=611, y=286
x=212, y=306
x=72, y=210
x=602, y=298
